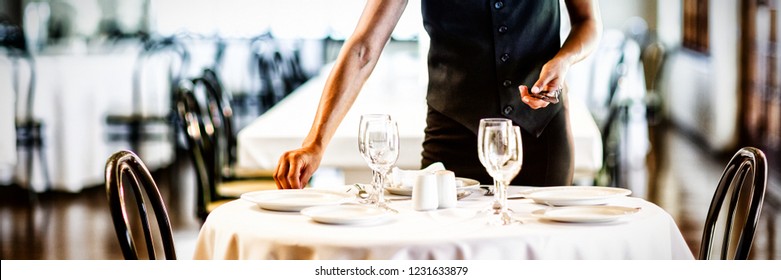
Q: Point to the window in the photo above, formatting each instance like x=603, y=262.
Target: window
x=695, y=25
x=761, y=84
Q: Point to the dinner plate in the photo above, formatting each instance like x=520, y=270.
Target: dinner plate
x=575, y=195
x=295, y=200
x=585, y=214
x=461, y=184
x=347, y=214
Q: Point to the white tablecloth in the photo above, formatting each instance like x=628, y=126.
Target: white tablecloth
x=7, y=127
x=397, y=87
x=73, y=95
x=242, y=230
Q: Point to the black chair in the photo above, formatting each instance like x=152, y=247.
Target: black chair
x=29, y=129
x=125, y=166
x=206, y=130
x=220, y=106
x=138, y=127
x=612, y=113
x=735, y=208
x=613, y=124
x=279, y=70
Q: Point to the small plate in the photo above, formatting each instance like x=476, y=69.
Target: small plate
x=295, y=200
x=461, y=184
x=466, y=183
x=585, y=214
x=347, y=214
x=575, y=195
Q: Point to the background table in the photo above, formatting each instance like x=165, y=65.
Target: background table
x=241, y=230
x=397, y=87
x=73, y=95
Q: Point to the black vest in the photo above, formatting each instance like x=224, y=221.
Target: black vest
x=482, y=50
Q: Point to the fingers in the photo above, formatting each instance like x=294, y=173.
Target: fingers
x=280, y=174
x=533, y=102
x=547, y=89
x=551, y=96
x=288, y=172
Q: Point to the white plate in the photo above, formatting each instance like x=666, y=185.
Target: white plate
x=461, y=184
x=295, y=200
x=585, y=214
x=466, y=183
x=575, y=195
x=348, y=214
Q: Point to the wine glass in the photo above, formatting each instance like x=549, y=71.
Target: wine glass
x=501, y=150
x=361, y=148
x=379, y=145
x=488, y=124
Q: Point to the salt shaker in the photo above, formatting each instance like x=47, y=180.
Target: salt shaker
x=424, y=192
x=446, y=189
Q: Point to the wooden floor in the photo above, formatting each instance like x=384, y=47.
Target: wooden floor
x=58, y=226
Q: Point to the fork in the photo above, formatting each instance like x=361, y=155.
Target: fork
x=363, y=197
x=489, y=191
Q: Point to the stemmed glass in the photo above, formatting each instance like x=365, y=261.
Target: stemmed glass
x=490, y=124
x=372, y=198
x=500, y=149
x=379, y=146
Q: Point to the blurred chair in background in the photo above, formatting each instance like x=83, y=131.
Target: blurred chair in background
x=220, y=106
x=140, y=125
x=279, y=70
x=208, y=134
x=615, y=99
x=734, y=211
x=125, y=166
x=653, y=59
x=29, y=128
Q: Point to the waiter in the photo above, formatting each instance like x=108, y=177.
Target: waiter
x=497, y=58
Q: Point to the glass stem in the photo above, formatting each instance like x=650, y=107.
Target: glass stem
x=380, y=190
x=497, y=204
x=374, y=186
x=500, y=196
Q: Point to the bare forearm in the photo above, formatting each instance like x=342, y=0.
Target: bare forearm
x=585, y=33
x=353, y=66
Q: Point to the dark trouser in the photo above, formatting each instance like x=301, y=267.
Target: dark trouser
x=547, y=160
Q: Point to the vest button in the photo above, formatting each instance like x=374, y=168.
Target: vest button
x=498, y=5
x=505, y=57
x=508, y=109
x=502, y=29
x=507, y=83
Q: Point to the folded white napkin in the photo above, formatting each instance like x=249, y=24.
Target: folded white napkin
x=406, y=178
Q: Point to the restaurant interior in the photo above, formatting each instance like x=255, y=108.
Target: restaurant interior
x=674, y=89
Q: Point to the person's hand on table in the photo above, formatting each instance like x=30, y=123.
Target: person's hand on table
x=296, y=167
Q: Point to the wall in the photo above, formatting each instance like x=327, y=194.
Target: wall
x=615, y=13
x=701, y=90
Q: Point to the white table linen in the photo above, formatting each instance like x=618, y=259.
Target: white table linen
x=73, y=95
x=7, y=123
x=397, y=87
x=242, y=230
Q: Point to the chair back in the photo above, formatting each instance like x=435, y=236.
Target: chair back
x=653, y=59
x=28, y=105
x=735, y=208
x=201, y=142
x=177, y=60
x=220, y=110
x=125, y=166
x=279, y=69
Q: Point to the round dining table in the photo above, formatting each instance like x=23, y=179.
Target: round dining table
x=241, y=229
